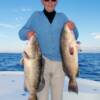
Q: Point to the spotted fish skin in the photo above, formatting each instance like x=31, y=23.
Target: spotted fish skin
x=33, y=68
x=69, y=53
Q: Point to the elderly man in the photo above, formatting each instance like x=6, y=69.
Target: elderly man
x=47, y=26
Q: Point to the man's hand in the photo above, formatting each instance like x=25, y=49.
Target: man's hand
x=30, y=34
x=71, y=25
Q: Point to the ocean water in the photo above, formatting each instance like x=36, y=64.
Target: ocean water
x=89, y=64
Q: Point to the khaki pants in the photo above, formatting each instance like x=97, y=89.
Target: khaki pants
x=54, y=80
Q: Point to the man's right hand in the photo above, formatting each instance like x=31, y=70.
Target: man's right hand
x=30, y=34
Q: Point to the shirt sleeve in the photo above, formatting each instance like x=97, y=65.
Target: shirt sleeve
x=65, y=18
x=26, y=28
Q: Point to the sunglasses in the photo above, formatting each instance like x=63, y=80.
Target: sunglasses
x=49, y=0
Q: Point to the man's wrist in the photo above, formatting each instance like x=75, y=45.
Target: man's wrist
x=71, y=25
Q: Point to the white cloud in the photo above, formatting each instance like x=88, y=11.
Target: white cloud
x=26, y=9
x=19, y=18
x=4, y=25
x=9, y=26
x=93, y=34
x=90, y=48
x=22, y=10
x=96, y=35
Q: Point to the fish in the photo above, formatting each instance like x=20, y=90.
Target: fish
x=33, y=68
x=69, y=55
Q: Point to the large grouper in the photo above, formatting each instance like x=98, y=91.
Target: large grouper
x=69, y=53
x=33, y=68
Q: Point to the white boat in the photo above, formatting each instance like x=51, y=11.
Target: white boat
x=12, y=88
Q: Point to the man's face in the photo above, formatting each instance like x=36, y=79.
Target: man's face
x=49, y=5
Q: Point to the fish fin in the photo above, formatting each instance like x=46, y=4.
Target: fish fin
x=64, y=70
x=41, y=85
x=73, y=87
x=71, y=50
x=26, y=55
x=22, y=61
x=25, y=89
x=33, y=97
x=43, y=61
x=78, y=42
x=77, y=73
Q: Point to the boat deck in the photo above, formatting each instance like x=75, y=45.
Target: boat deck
x=12, y=88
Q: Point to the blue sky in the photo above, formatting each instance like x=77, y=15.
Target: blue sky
x=15, y=13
